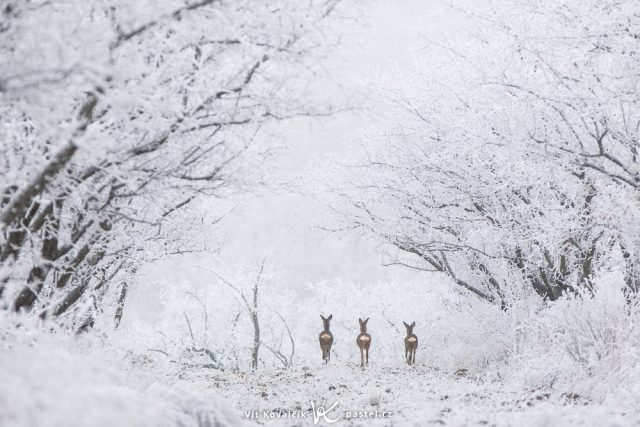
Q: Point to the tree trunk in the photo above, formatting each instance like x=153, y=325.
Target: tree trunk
x=256, y=340
x=18, y=206
x=120, y=306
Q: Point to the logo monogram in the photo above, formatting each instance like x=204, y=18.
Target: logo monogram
x=321, y=413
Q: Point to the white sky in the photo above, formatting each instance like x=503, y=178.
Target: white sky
x=283, y=225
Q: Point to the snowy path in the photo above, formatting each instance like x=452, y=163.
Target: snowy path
x=415, y=396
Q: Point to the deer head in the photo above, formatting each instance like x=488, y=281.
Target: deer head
x=409, y=327
x=326, y=321
x=363, y=324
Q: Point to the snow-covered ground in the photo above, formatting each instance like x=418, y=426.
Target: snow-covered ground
x=572, y=363
x=403, y=396
x=52, y=379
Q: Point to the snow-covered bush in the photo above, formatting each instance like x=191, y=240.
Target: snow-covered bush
x=209, y=318
x=583, y=344
x=51, y=378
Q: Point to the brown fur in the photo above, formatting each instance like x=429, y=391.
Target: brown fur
x=326, y=339
x=410, y=344
x=364, y=342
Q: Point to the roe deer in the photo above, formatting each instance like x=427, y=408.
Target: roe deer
x=326, y=339
x=364, y=342
x=410, y=344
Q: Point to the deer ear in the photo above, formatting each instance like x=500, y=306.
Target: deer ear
x=322, y=317
x=405, y=324
x=359, y=320
x=366, y=320
x=413, y=325
x=330, y=317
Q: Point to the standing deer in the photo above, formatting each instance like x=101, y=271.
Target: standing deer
x=410, y=344
x=326, y=339
x=364, y=342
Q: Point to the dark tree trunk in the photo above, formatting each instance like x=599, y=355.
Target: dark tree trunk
x=121, y=299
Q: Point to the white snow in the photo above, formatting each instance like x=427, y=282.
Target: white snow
x=51, y=379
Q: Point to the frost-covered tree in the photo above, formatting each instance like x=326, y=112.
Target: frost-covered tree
x=116, y=116
x=232, y=317
x=514, y=166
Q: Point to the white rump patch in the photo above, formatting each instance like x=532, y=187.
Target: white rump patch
x=325, y=336
x=412, y=339
x=364, y=338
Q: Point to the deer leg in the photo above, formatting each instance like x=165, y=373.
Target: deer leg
x=361, y=357
x=413, y=356
x=367, y=356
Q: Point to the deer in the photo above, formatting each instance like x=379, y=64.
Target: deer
x=326, y=338
x=410, y=344
x=364, y=342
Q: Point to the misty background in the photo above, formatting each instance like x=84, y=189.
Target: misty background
x=290, y=227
